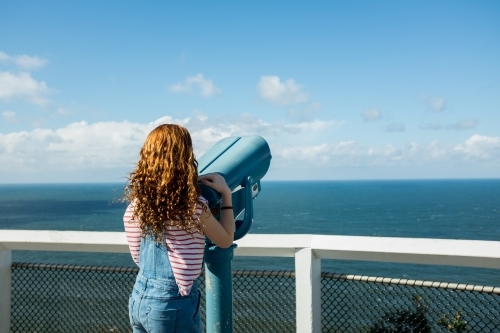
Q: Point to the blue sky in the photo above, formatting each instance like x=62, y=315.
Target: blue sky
x=340, y=90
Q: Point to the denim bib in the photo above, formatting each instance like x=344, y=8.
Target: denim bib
x=156, y=304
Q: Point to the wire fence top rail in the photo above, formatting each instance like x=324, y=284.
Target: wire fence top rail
x=471, y=253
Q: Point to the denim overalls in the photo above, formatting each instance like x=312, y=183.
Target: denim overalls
x=156, y=306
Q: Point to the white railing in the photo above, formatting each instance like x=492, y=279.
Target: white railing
x=308, y=251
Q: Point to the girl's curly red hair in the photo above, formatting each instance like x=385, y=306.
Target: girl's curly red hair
x=164, y=184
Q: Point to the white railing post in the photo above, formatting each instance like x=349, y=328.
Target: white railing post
x=5, y=289
x=308, y=291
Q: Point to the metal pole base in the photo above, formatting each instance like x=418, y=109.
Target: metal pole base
x=219, y=289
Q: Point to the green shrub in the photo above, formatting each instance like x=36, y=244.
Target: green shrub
x=404, y=321
x=456, y=324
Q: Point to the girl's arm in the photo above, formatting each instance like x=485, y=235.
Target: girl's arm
x=133, y=232
x=221, y=233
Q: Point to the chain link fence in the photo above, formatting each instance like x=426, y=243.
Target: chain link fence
x=69, y=298
x=353, y=303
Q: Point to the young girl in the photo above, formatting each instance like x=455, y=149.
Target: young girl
x=166, y=223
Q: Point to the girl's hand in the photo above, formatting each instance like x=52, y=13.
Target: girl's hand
x=215, y=181
x=222, y=234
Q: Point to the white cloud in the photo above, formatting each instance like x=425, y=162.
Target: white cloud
x=75, y=147
x=63, y=111
x=395, y=127
x=316, y=125
x=435, y=103
x=23, y=61
x=481, y=146
x=312, y=109
x=206, y=131
x=105, y=145
x=343, y=153
x=307, y=113
x=371, y=114
x=22, y=85
x=112, y=148
x=197, y=84
x=476, y=149
x=271, y=89
x=458, y=126
x=464, y=125
x=431, y=126
x=9, y=116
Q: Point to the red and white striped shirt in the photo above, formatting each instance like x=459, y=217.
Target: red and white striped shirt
x=185, y=251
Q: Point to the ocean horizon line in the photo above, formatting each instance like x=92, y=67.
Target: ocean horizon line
x=280, y=181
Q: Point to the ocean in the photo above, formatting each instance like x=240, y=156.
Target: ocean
x=451, y=209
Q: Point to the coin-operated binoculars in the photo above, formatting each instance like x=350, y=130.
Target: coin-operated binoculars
x=242, y=161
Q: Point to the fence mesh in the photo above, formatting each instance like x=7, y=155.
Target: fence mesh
x=68, y=298
x=353, y=303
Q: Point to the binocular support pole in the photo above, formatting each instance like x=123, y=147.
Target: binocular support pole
x=219, y=289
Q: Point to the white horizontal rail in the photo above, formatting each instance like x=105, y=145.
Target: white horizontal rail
x=454, y=252
x=472, y=253
x=72, y=241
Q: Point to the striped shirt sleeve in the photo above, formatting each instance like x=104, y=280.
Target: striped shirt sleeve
x=133, y=233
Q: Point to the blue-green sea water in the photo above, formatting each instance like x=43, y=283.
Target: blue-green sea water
x=452, y=209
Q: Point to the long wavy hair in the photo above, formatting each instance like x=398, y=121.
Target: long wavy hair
x=164, y=185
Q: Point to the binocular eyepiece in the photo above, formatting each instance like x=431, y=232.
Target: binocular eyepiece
x=242, y=161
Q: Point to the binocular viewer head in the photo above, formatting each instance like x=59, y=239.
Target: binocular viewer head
x=242, y=161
